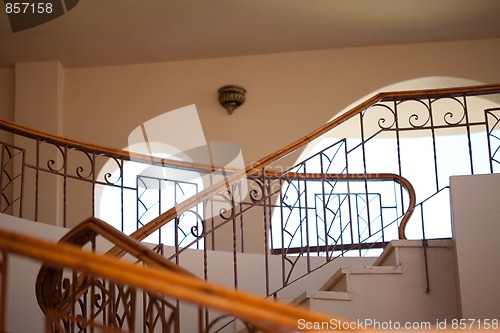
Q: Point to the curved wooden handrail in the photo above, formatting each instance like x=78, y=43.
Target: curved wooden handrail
x=49, y=278
x=360, y=177
x=264, y=314
x=256, y=167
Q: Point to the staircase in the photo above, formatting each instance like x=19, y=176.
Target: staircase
x=410, y=282
x=351, y=197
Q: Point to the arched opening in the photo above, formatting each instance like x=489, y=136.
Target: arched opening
x=424, y=141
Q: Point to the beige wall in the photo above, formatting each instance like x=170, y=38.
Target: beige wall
x=38, y=104
x=6, y=99
x=39, y=96
x=6, y=93
x=288, y=95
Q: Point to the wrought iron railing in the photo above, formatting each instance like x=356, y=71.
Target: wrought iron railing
x=421, y=137
x=61, y=181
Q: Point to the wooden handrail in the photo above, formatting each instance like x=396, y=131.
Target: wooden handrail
x=264, y=314
x=92, y=227
x=102, y=150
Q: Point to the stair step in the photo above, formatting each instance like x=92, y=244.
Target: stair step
x=318, y=294
x=334, y=283
x=327, y=292
x=373, y=270
x=389, y=257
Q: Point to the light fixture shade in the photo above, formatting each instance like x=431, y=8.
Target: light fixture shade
x=231, y=97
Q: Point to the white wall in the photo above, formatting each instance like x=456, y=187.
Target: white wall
x=21, y=301
x=476, y=232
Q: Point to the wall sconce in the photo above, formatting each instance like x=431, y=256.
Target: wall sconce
x=231, y=97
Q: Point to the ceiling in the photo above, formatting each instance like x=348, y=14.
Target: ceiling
x=115, y=32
